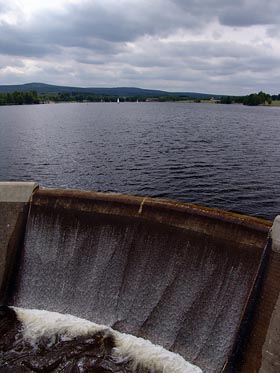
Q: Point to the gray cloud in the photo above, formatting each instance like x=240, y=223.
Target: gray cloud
x=82, y=24
x=22, y=44
x=166, y=44
x=255, y=14
x=240, y=13
x=4, y=6
x=103, y=25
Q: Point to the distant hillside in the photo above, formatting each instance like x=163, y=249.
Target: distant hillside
x=118, y=92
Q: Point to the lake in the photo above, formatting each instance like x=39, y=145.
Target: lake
x=222, y=156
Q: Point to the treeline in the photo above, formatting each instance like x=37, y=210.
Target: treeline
x=91, y=97
x=19, y=98
x=32, y=97
x=254, y=99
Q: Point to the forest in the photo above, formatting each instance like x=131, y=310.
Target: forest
x=254, y=99
x=33, y=97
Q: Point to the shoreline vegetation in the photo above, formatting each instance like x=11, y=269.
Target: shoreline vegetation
x=33, y=97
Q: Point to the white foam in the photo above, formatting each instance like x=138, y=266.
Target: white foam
x=149, y=355
x=37, y=324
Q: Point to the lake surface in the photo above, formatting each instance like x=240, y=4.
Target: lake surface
x=223, y=156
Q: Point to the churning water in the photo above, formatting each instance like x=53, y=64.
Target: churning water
x=224, y=156
x=52, y=342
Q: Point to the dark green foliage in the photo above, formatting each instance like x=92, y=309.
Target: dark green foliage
x=19, y=98
x=226, y=100
x=254, y=99
x=32, y=97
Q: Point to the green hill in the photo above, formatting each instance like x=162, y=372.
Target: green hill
x=118, y=91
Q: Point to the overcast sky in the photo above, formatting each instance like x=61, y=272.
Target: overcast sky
x=211, y=46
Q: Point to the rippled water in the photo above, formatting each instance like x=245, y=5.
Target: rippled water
x=224, y=156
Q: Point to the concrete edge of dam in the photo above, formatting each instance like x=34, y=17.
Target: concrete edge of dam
x=221, y=224
x=261, y=351
x=14, y=204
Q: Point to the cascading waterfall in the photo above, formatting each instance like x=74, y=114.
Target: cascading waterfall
x=156, y=295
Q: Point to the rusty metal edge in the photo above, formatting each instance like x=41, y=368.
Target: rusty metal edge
x=141, y=202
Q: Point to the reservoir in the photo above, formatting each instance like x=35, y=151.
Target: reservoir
x=223, y=156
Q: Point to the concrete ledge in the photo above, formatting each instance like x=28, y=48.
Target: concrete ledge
x=14, y=204
x=271, y=349
x=16, y=191
x=275, y=234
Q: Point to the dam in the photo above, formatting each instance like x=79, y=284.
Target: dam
x=200, y=283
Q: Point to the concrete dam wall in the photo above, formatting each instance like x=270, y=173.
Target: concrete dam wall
x=188, y=278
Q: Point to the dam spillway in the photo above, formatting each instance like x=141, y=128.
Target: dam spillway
x=178, y=275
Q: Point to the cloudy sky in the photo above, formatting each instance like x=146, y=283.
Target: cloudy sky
x=212, y=46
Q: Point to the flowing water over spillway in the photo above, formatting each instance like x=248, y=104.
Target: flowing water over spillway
x=173, y=287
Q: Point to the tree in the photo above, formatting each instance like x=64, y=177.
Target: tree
x=226, y=100
x=255, y=99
